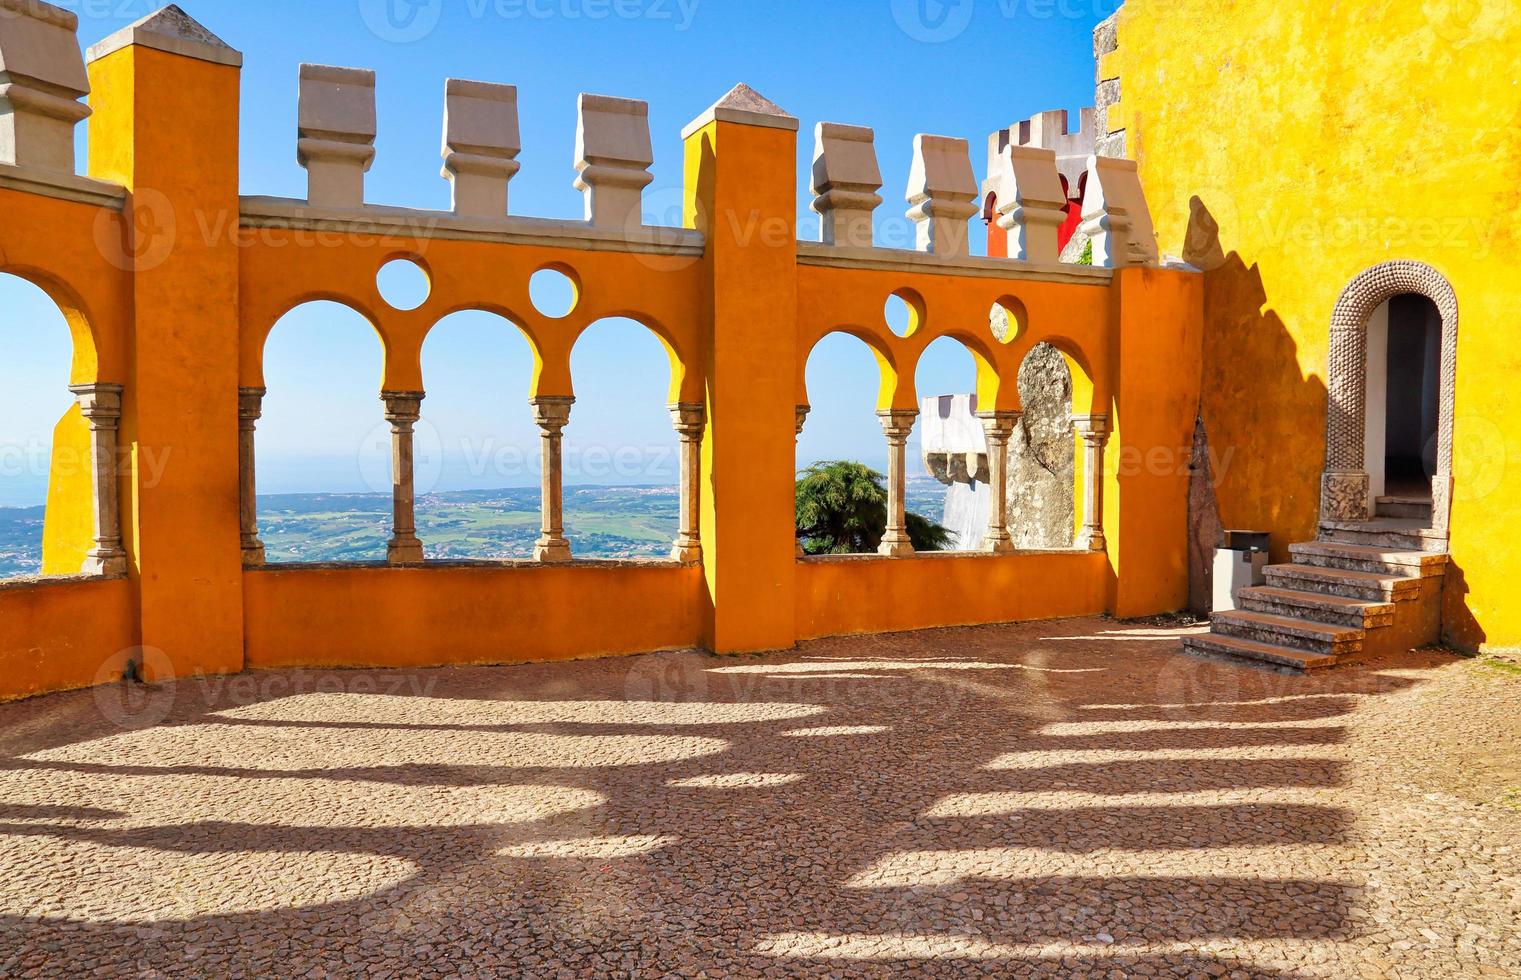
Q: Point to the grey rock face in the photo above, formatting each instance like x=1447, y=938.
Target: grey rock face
x=1042, y=455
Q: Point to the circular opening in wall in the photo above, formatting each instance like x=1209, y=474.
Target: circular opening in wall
x=904, y=312
x=1008, y=320
x=403, y=284
x=554, y=291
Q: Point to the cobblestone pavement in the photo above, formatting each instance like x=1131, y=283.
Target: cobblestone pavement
x=1071, y=798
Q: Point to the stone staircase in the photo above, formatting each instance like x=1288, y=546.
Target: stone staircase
x=1362, y=589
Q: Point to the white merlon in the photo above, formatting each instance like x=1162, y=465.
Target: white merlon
x=743, y=105
x=1115, y=215
x=173, y=31
x=613, y=157
x=943, y=192
x=481, y=144
x=336, y=136
x=1031, y=203
x=42, y=79
x=846, y=179
x=1050, y=131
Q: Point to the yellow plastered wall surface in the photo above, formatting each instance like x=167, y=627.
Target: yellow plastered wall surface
x=1324, y=139
x=69, y=525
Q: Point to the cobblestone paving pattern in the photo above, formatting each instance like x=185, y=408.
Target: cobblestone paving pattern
x=1070, y=799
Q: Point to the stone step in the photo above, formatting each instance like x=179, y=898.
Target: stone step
x=1285, y=631
x=1367, y=586
x=1369, y=558
x=1401, y=535
x=1266, y=653
x=1333, y=609
x=1404, y=508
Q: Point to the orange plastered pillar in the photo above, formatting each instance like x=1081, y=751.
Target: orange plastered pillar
x=1157, y=373
x=741, y=185
x=165, y=124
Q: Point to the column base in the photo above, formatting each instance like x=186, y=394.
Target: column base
x=551, y=550
x=253, y=554
x=896, y=547
x=111, y=564
x=404, y=551
x=689, y=552
x=998, y=545
x=1092, y=541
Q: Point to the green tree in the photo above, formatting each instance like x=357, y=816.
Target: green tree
x=842, y=510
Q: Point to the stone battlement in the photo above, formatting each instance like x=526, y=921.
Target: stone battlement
x=172, y=282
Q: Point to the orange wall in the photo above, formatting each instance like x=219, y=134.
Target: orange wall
x=867, y=594
x=64, y=634
x=175, y=295
x=462, y=614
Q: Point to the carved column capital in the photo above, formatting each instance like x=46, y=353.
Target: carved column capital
x=800, y=417
x=690, y=419
x=552, y=412
x=403, y=408
x=99, y=403
x=1000, y=424
x=1093, y=428
x=251, y=404
x=897, y=422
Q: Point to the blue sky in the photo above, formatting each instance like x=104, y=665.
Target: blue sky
x=961, y=68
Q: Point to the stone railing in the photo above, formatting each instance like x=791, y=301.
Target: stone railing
x=160, y=265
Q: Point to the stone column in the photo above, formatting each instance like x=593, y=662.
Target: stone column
x=100, y=404
x=1095, y=432
x=690, y=421
x=800, y=417
x=999, y=427
x=250, y=409
x=402, y=411
x=897, y=424
x=552, y=412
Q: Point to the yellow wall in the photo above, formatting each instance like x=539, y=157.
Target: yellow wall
x=1325, y=138
x=68, y=529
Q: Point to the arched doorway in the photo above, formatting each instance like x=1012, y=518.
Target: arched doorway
x=1390, y=397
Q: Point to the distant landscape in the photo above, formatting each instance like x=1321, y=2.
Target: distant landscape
x=601, y=522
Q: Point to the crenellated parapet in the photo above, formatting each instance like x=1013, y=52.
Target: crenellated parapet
x=1051, y=130
x=173, y=283
x=42, y=80
x=1116, y=216
x=613, y=157
x=336, y=136
x=846, y=179
x=943, y=192
x=481, y=145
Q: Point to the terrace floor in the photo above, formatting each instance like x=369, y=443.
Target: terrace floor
x=1067, y=798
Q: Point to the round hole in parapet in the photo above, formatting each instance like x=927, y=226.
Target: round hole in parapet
x=554, y=291
x=904, y=312
x=1008, y=320
x=403, y=284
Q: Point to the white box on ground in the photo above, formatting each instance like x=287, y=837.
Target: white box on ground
x=1240, y=563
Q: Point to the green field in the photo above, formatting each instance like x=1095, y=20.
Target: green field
x=601, y=522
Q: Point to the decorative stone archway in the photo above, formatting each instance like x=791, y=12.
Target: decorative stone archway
x=1344, y=488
